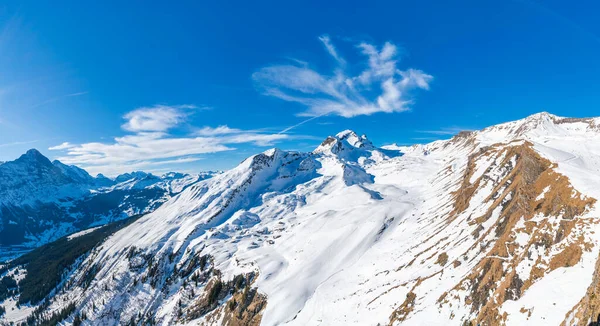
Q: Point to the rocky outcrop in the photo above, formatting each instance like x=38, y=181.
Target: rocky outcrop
x=532, y=217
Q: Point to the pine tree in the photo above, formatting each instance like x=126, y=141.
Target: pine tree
x=77, y=320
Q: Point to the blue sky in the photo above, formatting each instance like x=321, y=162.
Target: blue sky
x=115, y=86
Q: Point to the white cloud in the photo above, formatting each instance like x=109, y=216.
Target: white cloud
x=65, y=145
x=382, y=64
x=331, y=49
x=220, y=130
x=57, y=98
x=156, y=118
x=156, y=167
x=448, y=131
x=254, y=138
x=380, y=87
x=150, y=144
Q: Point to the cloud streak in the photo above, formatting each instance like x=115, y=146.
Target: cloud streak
x=150, y=141
x=18, y=143
x=220, y=130
x=449, y=131
x=331, y=49
x=301, y=123
x=380, y=87
x=56, y=99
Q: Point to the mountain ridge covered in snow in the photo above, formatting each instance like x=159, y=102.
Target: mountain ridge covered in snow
x=41, y=200
x=493, y=227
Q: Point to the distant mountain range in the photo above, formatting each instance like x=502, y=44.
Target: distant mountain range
x=41, y=201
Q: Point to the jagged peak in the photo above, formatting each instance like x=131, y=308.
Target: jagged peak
x=258, y=161
x=172, y=174
x=531, y=120
x=33, y=155
x=272, y=152
x=72, y=171
x=353, y=139
x=542, y=115
x=346, y=138
x=33, y=152
x=345, y=134
x=539, y=125
x=103, y=181
x=63, y=166
x=132, y=175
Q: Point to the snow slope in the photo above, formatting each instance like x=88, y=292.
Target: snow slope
x=491, y=227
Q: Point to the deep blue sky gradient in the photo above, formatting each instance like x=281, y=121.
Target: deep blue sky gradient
x=492, y=61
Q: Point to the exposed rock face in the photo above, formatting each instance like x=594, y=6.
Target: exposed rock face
x=243, y=305
x=587, y=310
x=531, y=221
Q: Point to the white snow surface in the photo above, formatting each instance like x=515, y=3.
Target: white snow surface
x=328, y=231
x=83, y=232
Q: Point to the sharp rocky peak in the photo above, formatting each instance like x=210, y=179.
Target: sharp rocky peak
x=530, y=122
x=353, y=139
x=132, y=175
x=535, y=120
x=263, y=159
x=542, y=116
x=346, y=139
x=172, y=175
x=33, y=155
x=538, y=125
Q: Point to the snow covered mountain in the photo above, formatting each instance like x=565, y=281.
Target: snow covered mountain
x=492, y=227
x=32, y=177
x=41, y=201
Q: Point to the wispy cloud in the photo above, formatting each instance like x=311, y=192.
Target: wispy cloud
x=220, y=130
x=157, y=167
x=156, y=118
x=425, y=138
x=448, y=131
x=301, y=123
x=65, y=145
x=56, y=99
x=76, y=94
x=150, y=142
x=298, y=61
x=19, y=143
x=380, y=87
x=331, y=49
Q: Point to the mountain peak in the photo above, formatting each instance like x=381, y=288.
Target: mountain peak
x=343, y=139
x=33, y=155
x=539, y=126
x=353, y=138
x=542, y=116
x=346, y=134
x=138, y=175
x=33, y=152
